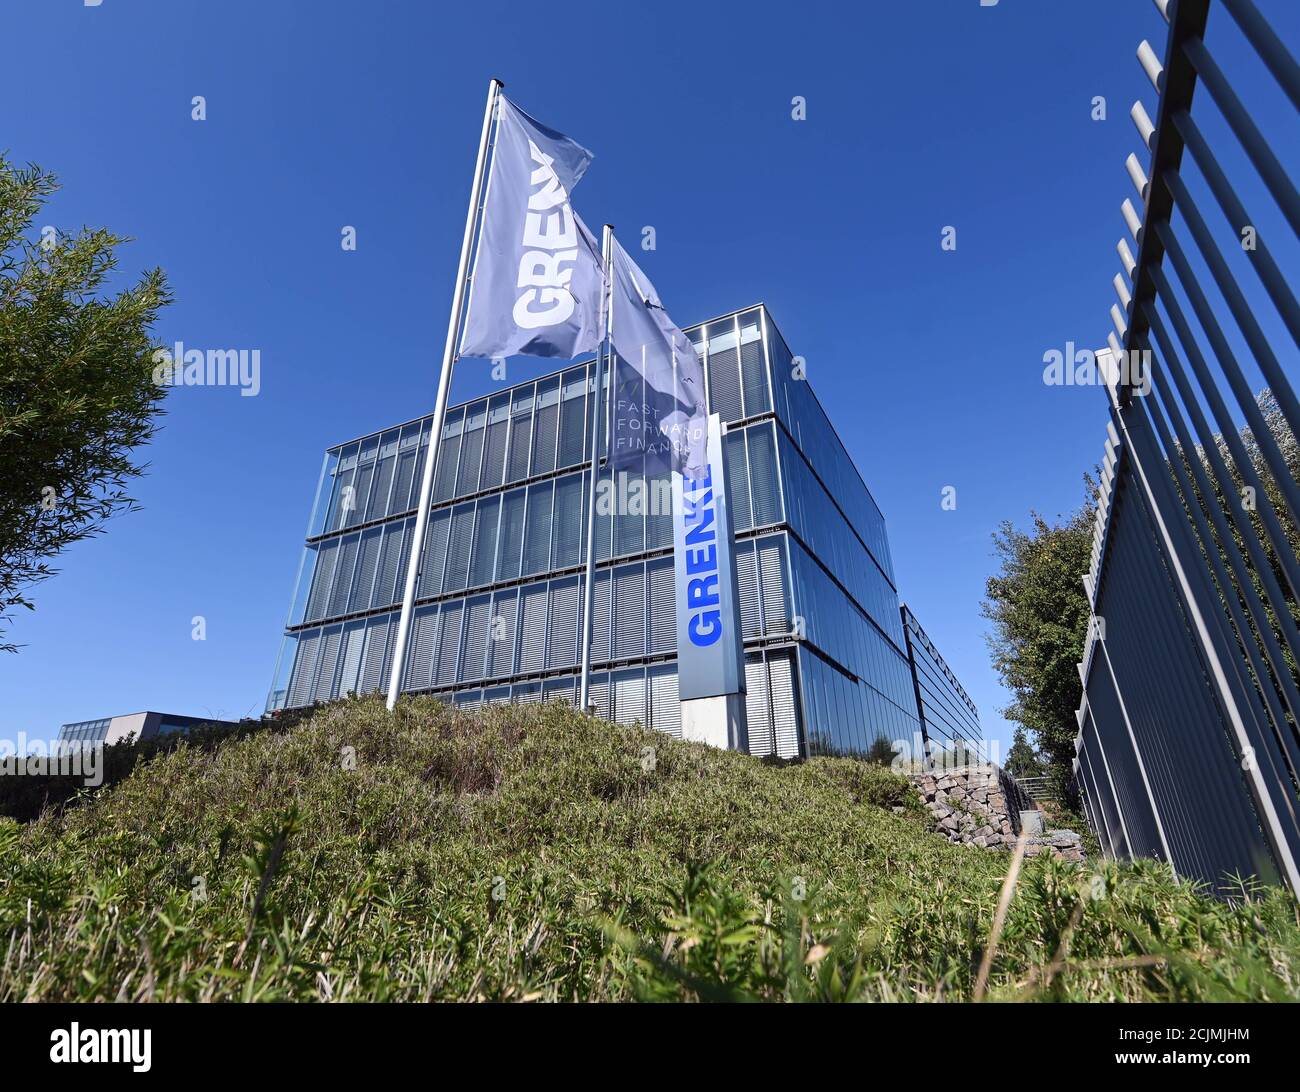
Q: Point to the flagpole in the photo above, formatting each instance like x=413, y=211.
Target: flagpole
x=440, y=404
x=589, y=585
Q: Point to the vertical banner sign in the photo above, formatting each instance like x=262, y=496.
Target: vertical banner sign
x=710, y=657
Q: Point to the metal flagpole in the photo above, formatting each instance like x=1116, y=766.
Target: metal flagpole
x=589, y=585
x=440, y=404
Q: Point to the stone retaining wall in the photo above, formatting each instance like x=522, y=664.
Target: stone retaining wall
x=980, y=806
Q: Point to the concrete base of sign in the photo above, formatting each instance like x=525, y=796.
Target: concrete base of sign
x=718, y=721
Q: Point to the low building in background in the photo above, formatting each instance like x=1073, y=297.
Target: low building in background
x=499, y=599
x=949, y=719
x=140, y=726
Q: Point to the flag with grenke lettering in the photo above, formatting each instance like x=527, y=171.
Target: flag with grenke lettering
x=658, y=404
x=536, y=285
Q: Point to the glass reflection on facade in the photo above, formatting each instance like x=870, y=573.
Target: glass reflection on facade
x=949, y=719
x=499, y=599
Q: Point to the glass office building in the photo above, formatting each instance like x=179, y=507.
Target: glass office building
x=949, y=719
x=499, y=599
x=138, y=726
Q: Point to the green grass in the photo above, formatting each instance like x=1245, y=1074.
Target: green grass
x=534, y=853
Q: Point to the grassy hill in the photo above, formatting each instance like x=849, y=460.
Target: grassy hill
x=535, y=853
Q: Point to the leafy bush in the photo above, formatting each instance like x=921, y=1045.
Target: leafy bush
x=532, y=852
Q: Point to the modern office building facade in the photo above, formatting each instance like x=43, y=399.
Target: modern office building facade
x=499, y=599
x=139, y=726
x=949, y=719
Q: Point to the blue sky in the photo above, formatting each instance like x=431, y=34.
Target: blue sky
x=326, y=114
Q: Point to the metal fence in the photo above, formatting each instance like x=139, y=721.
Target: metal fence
x=1188, y=749
x=1037, y=789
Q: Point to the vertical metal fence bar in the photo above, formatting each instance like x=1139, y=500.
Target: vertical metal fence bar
x=1200, y=584
x=1246, y=322
x=1260, y=257
x=1227, y=590
x=1268, y=46
x=1264, y=507
x=1245, y=130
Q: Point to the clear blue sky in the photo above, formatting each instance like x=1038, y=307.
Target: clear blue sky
x=323, y=114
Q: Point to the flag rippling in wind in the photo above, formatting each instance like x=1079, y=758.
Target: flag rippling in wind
x=536, y=285
x=658, y=407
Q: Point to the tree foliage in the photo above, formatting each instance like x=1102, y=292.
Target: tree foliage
x=77, y=392
x=1040, y=614
x=1022, y=759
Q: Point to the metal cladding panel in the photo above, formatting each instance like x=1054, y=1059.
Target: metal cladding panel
x=785, y=717
x=599, y=695
x=629, y=519
x=375, y=661
x=304, y=669
x=360, y=494
x=573, y=410
x=449, y=639
x=436, y=536
x=354, y=638
x=494, y=444
x=753, y=373
x=751, y=607
x=521, y=439
x=772, y=580
x=391, y=556
x=322, y=579
x=532, y=628
x=665, y=709
x=456, y=573
x=737, y=472
x=562, y=632
x=764, y=485
x=422, y=649
x=567, y=522
x=629, y=695
x=471, y=449
x=663, y=618
x=501, y=646
x=545, y=424
x=329, y=660
x=378, y=504
x=659, y=512
x=448, y=457
x=601, y=613
x=404, y=482
x=343, y=571
x=629, y=610
x=537, y=534
x=367, y=563
x=724, y=384
x=604, y=522
x=483, y=556
x=478, y=622
x=758, y=709
x=510, y=537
